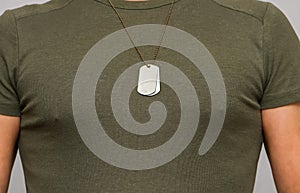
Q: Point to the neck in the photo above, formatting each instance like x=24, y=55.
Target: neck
x=136, y=0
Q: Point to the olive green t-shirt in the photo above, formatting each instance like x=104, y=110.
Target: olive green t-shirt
x=69, y=70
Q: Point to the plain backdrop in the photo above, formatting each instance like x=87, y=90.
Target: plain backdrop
x=264, y=180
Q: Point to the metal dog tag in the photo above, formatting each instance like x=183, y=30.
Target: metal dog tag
x=157, y=86
x=148, y=81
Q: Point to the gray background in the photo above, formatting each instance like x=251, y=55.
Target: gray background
x=264, y=179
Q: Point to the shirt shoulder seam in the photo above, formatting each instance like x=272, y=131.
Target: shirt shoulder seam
x=232, y=7
x=53, y=5
x=16, y=79
x=263, y=47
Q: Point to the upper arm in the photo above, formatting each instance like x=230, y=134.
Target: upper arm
x=281, y=127
x=9, y=130
x=9, y=127
x=281, y=91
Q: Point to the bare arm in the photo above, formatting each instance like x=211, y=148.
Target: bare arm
x=9, y=130
x=282, y=140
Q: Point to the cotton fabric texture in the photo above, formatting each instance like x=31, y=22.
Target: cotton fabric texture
x=42, y=46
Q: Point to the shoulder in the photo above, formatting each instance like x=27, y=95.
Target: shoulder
x=36, y=9
x=254, y=8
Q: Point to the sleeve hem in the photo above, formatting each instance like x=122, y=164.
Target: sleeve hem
x=273, y=101
x=9, y=110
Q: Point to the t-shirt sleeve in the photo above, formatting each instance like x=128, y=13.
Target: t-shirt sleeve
x=281, y=60
x=9, y=101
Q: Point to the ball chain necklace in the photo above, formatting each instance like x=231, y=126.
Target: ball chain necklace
x=149, y=78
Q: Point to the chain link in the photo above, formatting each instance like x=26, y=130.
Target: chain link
x=131, y=40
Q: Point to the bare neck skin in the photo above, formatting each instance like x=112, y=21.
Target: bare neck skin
x=136, y=0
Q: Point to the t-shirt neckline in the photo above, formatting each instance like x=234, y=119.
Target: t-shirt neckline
x=149, y=4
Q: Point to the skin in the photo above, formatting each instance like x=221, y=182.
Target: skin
x=136, y=0
x=281, y=127
x=9, y=130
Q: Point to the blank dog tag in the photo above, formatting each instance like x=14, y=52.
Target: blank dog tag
x=157, y=86
x=148, y=80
